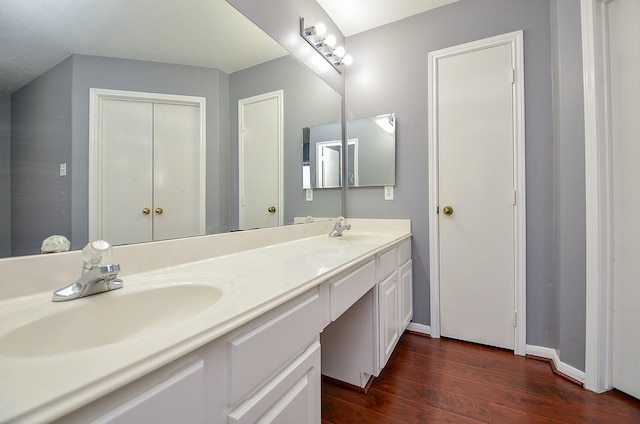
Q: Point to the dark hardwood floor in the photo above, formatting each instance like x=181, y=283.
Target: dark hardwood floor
x=448, y=381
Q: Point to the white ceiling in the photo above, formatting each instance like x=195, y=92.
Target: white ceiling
x=36, y=35
x=355, y=16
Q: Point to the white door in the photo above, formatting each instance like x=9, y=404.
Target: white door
x=329, y=164
x=149, y=168
x=476, y=196
x=624, y=56
x=260, y=156
x=125, y=172
x=176, y=174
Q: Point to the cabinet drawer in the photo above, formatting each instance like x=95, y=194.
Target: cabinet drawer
x=404, y=252
x=386, y=263
x=293, y=396
x=346, y=291
x=259, y=353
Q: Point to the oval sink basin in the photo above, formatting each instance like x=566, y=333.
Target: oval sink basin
x=108, y=318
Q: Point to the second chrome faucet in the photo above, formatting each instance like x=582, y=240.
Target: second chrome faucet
x=339, y=227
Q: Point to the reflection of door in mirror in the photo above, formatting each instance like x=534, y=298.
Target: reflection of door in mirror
x=150, y=173
x=329, y=164
x=260, y=154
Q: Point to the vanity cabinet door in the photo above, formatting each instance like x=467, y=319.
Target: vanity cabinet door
x=406, y=294
x=388, y=300
x=293, y=396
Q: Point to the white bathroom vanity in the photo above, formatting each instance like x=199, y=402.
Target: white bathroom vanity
x=225, y=328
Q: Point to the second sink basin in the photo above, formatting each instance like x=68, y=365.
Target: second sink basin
x=108, y=318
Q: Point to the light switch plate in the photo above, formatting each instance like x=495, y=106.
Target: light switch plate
x=388, y=192
x=309, y=194
x=63, y=169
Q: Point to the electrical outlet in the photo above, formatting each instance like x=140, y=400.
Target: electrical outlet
x=309, y=194
x=388, y=192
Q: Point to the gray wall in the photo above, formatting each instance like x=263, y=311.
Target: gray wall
x=5, y=175
x=396, y=81
x=40, y=142
x=308, y=101
x=120, y=74
x=569, y=179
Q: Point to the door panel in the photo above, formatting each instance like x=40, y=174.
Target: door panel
x=260, y=127
x=176, y=174
x=126, y=179
x=475, y=144
x=389, y=319
x=330, y=169
x=625, y=127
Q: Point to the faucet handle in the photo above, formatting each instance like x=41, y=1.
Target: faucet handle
x=109, y=268
x=95, y=253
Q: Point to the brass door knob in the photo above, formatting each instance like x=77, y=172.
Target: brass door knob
x=146, y=211
x=272, y=209
x=447, y=210
x=159, y=211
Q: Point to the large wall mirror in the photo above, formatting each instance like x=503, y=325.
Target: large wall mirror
x=371, y=153
x=54, y=55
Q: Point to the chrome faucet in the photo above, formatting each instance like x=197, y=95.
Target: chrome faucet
x=96, y=277
x=99, y=279
x=339, y=227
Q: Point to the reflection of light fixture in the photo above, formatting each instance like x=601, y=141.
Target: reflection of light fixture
x=386, y=122
x=315, y=35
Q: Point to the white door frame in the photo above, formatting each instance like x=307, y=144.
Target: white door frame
x=599, y=203
x=96, y=95
x=515, y=39
x=279, y=95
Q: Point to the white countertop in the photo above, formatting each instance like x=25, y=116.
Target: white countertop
x=43, y=388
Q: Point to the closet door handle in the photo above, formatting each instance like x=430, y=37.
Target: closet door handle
x=159, y=211
x=146, y=211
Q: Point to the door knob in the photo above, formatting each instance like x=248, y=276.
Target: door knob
x=272, y=209
x=159, y=211
x=447, y=210
x=146, y=211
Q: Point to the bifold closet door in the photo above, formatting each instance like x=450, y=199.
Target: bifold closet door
x=150, y=180
x=176, y=174
x=126, y=171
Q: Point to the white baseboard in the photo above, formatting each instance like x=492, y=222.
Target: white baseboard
x=419, y=328
x=561, y=367
x=542, y=352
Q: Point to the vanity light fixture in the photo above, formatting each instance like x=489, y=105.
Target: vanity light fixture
x=315, y=36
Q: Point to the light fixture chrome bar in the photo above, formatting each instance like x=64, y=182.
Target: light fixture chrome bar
x=318, y=43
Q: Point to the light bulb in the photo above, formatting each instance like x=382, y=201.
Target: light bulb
x=320, y=29
x=330, y=40
x=339, y=51
x=347, y=60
